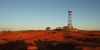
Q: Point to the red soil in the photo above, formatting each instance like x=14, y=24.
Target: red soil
x=45, y=35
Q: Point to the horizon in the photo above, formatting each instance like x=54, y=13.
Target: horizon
x=39, y=14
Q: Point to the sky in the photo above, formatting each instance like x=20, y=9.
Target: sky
x=39, y=14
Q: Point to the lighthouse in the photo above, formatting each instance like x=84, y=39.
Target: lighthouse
x=70, y=26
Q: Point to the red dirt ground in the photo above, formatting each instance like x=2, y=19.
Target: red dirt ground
x=77, y=37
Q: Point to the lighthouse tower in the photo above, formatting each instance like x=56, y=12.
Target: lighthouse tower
x=70, y=27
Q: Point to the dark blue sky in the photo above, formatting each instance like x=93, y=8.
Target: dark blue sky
x=39, y=14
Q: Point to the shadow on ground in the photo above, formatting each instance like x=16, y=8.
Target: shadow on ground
x=52, y=45
x=41, y=45
x=14, y=45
